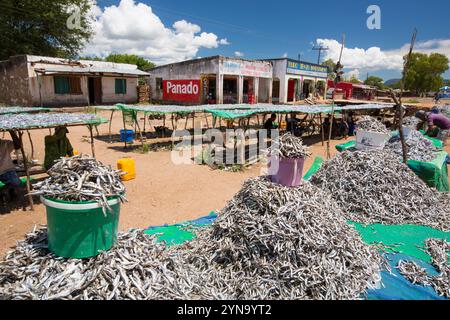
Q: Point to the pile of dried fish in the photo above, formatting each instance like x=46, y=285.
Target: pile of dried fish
x=411, y=122
x=269, y=242
x=374, y=187
x=419, y=148
x=289, y=146
x=437, y=249
x=445, y=110
x=81, y=178
x=371, y=124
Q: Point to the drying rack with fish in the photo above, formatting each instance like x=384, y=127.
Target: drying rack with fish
x=19, y=123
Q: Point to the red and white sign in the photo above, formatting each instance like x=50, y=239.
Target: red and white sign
x=182, y=90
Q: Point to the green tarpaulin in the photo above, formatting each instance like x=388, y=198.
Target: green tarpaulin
x=433, y=173
x=406, y=239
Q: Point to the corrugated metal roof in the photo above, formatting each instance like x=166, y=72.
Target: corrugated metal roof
x=89, y=70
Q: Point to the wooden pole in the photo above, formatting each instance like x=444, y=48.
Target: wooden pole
x=332, y=106
x=27, y=171
x=124, y=127
x=92, y=141
x=110, y=124
x=31, y=144
x=321, y=129
x=398, y=101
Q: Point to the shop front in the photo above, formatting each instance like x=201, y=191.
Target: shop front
x=298, y=80
x=218, y=80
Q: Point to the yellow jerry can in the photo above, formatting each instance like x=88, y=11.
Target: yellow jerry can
x=127, y=165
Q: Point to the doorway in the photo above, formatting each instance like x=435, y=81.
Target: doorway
x=307, y=88
x=292, y=85
x=95, y=90
x=230, y=90
x=276, y=91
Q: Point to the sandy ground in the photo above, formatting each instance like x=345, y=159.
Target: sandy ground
x=162, y=192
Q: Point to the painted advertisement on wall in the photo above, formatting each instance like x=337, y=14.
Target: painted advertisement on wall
x=182, y=90
x=247, y=69
x=307, y=69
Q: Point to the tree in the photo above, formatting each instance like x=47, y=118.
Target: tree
x=44, y=27
x=425, y=72
x=354, y=79
x=331, y=65
x=142, y=64
x=375, y=82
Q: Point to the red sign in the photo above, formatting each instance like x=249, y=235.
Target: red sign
x=182, y=90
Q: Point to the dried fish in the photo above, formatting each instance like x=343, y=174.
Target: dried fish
x=374, y=187
x=370, y=124
x=289, y=146
x=445, y=110
x=81, y=178
x=437, y=249
x=269, y=242
x=24, y=121
x=418, y=147
x=411, y=122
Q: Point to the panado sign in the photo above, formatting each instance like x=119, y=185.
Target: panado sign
x=182, y=90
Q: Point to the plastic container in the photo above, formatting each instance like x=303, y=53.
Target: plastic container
x=289, y=173
x=128, y=166
x=79, y=230
x=371, y=140
x=126, y=135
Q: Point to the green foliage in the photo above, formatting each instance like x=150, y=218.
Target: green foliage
x=331, y=65
x=41, y=28
x=375, y=82
x=425, y=72
x=395, y=85
x=141, y=63
x=354, y=80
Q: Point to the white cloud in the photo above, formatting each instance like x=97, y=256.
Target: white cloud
x=238, y=54
x=133, y=28
x=285, y=55
x=375, y=59
x=353, y=73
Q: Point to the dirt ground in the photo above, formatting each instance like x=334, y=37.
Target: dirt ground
x=162, y=193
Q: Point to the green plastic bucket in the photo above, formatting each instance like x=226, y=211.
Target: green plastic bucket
x=80, y=230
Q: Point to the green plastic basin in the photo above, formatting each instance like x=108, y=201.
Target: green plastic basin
x=80, y=230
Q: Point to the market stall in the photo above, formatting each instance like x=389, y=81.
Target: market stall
x=25, y=122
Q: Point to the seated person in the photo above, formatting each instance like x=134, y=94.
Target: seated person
x=351, y=125
x=293, y=125
x=343, y=128
x=56, y=147
x=8, y=174
x=270, y=124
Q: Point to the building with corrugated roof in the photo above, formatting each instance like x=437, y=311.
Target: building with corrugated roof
x=29, y=80
x=214, y=79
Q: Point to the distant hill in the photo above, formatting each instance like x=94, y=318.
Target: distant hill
x=391, y=82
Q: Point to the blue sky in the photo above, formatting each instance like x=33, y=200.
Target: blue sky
x=263, y=29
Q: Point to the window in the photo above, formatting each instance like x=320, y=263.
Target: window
x=121, y=86
x=67, y=85
x=159, y=83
